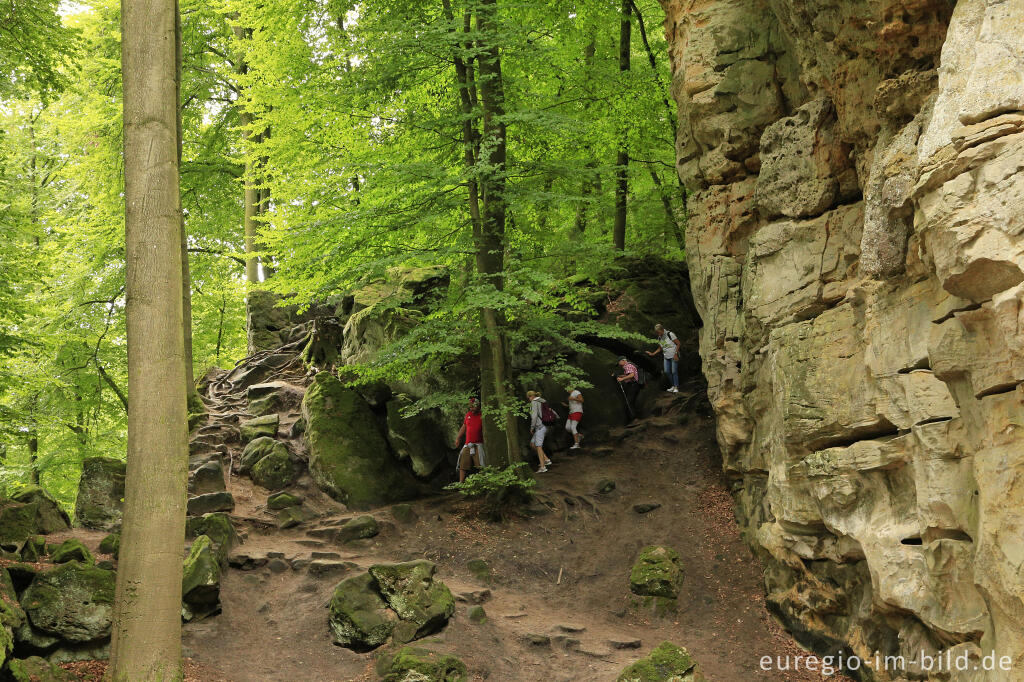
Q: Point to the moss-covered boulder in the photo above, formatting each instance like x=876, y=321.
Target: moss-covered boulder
x=36, y=669
x=257, y=449
x=349, y=458
x=420, y=438
x=34, y=548
x=218, y=528
x=100, y=493
x=17, y=524
x=210, y=503
x=200, y=582
x=423, y=665
x=274, y=472
x=72, y=601
x=657, y=572
x=360, y=527
x=667, y=663
x=410, y=590
x=258, y=427
x=283, y=500
x=196, y=409
x=289, y=517
x=12, y=616
x=72, y=549
x=111, y=545
x=50, y=518
x=359, y=618
x=207, y=478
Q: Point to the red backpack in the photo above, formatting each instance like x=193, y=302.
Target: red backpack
x=547, y=415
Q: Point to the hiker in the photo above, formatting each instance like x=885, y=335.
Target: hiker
x=669, y=347
x=472, y=453
x=572, y=424
x=629, y=382
x=540, y=417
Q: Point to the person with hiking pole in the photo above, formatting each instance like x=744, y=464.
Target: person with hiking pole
x=669, y=347
x=472, y=453
x=541, y=416
x=629, y=383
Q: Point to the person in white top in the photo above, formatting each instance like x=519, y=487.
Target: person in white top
x=572, y=424
x=668, y=346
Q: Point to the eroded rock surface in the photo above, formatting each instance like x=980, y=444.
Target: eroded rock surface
x=856, y=251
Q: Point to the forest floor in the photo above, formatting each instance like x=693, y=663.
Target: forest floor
x=558, y=603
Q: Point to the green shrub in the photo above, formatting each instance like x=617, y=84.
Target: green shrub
x=499, y=491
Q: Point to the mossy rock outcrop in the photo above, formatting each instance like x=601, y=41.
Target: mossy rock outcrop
x=420, y=438
x=657, y=573
x=274, y=472
x=359, y=528
x=218, y=528
x=422, y=603
x=72, y=549
x=72, y=601
x=100, y=493
x=111, y=545
x=50, y=518
x=423, y=665
x=283, y=500
x=359, y=617
x=257, y=449
x=349, y=458
x=12, y=616
x=36, y=669
x=200, y=582
x=34, y=548
x=667, y=663
x=258, y=427
x=17, y=524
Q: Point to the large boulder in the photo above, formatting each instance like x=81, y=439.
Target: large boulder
x=50, y=518
x=420, y=438
x=72, y=601
x=259, y=427
x=218, y=528
x=200, y=582
x=667, y=663
x=657, y=573
x=100, y=493
x=359, y=617
x=36, y=669
x=257, y=449
x=349, y=458
x=17, y=523
x=12, y=616
x=71, y=549
x=274, y=472
x=422, y=603
x=414, y=663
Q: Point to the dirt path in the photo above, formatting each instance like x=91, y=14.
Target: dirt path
x=558, y=606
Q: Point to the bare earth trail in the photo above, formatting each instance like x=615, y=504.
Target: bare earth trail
x=558, y=605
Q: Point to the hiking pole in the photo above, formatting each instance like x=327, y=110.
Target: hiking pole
x=625, y=398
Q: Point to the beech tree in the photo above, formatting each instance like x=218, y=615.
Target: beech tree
x=146, y=637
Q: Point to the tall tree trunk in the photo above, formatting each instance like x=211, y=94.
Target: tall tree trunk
x=622, y=159
x=186, y=275
x=490, y=246
x=591, y=181
x=251, y=193
x=146, y=636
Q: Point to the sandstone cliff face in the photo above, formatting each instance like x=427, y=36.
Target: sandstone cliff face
x=856, y=248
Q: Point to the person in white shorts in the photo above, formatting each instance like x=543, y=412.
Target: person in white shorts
x=572, y=424
x=538, y=429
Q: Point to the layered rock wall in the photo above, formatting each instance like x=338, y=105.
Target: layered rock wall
x=856, y=251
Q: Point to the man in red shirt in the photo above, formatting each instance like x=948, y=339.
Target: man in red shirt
x=472, y=453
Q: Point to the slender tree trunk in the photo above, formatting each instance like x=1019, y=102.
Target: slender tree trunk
x=186, y=276
x=33, y=455
x=622, y=159
x=491, y=243
x=146, y=636
x=251, y=194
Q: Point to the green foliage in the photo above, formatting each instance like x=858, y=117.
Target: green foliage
x=499, y=491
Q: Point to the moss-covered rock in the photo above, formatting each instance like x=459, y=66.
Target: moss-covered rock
x=207, y=478
x=111, y=544
x=72, y=601
x=258, y=427
x=200, y=581
x=34, y=548
x=257, y=449
x=349, y=457
x=210, y=503
x=423, y=665
x=36, y=669
x=359, y=618
x=218, y=528
x=72, y=549
x=196, y=409
x=481, y=570
x=50, y=518
x=17, y=524
x=420, y=438
x=657, y=572
x=411, y=591
x=12, y=616
x=283, y=500
x=667, y=663
x=477, y=614
x=289, y=517
x=360, y=527
x=100, y=493
x=273, y=472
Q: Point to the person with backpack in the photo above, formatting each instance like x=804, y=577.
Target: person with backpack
x=669, y=347
x=629, y=382
x=472, y=453
x=541, y=416
x=572, y=424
